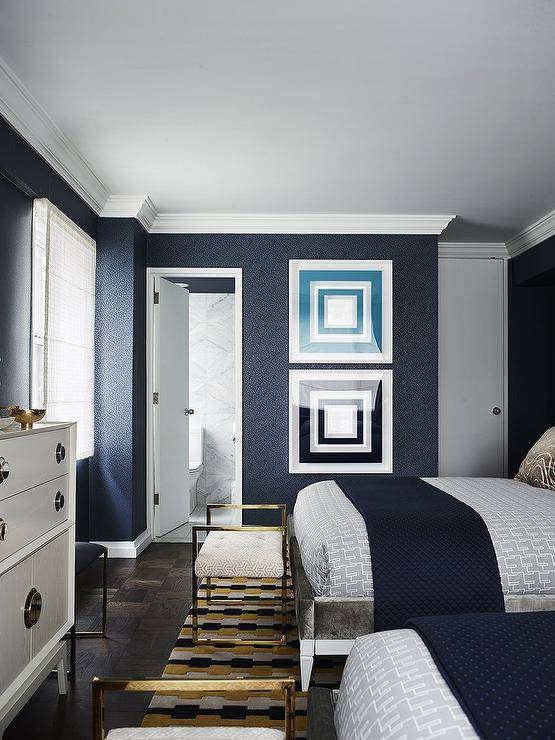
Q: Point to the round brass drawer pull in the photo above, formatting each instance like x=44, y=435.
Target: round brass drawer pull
x=59, y=501
x=60, y=453
x=3, y=530
x=33, y=608
x=4, y=469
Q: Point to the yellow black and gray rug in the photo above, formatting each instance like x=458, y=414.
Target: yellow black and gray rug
x=256, y=619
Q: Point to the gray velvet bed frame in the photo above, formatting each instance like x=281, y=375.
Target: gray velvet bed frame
x=320, y=713
x=329, y=625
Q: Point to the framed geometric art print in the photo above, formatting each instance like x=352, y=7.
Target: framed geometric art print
x=340, y=311
x=340, y=421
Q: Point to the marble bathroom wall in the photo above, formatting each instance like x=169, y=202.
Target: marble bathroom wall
x=212, y=390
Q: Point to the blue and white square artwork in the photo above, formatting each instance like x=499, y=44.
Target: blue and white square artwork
x=340, y=311
x=340, y=421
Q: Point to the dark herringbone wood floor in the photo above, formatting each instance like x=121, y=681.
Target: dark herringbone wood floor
x=148, y=600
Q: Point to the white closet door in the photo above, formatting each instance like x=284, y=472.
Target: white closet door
x=471, y=367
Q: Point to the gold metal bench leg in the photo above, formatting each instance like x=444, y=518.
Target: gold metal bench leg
x=284, y=609
x=194, y=628
x=280, y=603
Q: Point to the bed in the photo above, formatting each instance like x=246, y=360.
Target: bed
x=465, y=677
x=332, y=570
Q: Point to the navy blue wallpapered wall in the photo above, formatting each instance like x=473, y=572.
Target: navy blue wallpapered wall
x=21, y=164
x=24, y=175
x=118, y=468
x=16, y=218
x=264, y=259
x=531, y=348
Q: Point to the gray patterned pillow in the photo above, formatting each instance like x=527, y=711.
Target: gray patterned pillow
x=538, y=467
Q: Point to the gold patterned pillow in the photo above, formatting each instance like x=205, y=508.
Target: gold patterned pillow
x=538, y=467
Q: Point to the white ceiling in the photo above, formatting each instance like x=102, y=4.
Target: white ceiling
x=307, y=106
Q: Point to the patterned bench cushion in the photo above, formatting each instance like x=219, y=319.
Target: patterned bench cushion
x=195, y=733
x=247, y=554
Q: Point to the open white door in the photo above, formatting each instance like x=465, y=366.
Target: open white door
x=171, y=412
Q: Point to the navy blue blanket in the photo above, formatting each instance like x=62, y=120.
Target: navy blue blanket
x=431, y=554
x=501, y=668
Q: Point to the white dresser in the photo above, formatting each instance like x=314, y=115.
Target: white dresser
x=37, y=559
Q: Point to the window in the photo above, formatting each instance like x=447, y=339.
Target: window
x=64, y=260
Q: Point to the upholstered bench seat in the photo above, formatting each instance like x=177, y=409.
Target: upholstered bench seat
x=246, y=554
x=196, y=733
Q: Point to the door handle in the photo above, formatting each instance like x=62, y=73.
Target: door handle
x=33, y=608
x=189, y=412
x=496, y=411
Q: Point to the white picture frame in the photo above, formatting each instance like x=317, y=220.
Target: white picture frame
x=315, y=447
x=341, y=311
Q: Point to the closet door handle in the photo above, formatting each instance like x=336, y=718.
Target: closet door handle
x=33, y=608
x=4, y=469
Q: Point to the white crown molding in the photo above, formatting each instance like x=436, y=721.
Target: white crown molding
x=130, y=206
x=229, y=223
x=25, y=114
x=486, y=250
x=537, y=232
x=32, y=122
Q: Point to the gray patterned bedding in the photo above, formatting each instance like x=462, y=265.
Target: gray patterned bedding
x=335, y=553
x=391, y=689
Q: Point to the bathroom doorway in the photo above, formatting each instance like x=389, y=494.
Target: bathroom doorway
x=194, y=446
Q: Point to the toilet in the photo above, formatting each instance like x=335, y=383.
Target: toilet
x=196, y=449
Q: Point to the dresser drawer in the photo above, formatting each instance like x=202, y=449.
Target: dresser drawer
x=31, y=459
x=27, y=515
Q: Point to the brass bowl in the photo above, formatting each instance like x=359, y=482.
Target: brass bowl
x=27, y=417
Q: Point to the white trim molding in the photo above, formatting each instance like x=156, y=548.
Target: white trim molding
x=32, y=122
x=472, y=250
x=130, y=206
x=537, y=232
x=297, y=223
x=131, y=549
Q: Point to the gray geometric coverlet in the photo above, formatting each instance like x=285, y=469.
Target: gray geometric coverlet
x=520, y=519
x=391, y=689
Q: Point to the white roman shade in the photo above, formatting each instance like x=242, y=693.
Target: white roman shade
x=64, y=260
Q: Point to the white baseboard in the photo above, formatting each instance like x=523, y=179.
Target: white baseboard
x=128, y=549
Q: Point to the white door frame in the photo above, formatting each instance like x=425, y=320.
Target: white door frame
x=208, y=272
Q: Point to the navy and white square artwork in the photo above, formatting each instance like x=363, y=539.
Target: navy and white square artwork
x=340, y=421
x=340, y=311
